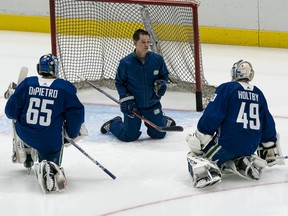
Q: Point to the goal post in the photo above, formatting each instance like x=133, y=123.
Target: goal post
x=90, y=37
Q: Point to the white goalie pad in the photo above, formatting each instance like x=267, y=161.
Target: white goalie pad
x=21, y=150
x=50, y=176
x=246, y=167
x=203, y=171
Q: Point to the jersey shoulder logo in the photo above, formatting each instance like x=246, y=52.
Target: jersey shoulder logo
x=213, y=97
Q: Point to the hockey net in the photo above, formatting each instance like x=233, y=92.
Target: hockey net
x=90, y=37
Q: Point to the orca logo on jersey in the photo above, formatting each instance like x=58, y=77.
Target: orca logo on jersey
x=214, y=97
x=45, y=92
x=156, y=111
x=156, y=72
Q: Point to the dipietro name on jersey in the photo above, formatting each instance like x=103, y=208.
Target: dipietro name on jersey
x=248, y=95
x=45, y=92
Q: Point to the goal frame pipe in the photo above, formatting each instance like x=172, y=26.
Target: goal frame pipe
x=198, y=92
x=151, y=2
x=53, y=27
x=193, y=5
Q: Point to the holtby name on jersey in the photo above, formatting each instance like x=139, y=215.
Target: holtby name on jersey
x=248, y=95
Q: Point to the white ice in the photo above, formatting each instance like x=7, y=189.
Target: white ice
x=152, y=177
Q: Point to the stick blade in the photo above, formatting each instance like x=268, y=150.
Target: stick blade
x=173, y=129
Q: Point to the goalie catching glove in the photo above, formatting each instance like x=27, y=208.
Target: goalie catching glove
x=269, y=151
x=83, y=132
x=198, y=141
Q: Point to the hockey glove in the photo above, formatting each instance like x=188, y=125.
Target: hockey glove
x=83, y=132
x=197, y=141
x=267, y=151
x=128, y=105
x=10, y=91
x=160, y=87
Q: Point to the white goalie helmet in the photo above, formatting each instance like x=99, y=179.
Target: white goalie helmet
x=242, y=70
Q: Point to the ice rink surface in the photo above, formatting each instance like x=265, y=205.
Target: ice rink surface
x=152, y=176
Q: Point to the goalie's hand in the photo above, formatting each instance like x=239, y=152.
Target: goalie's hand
x=197, y=141
x=10, y=91
x=267, y=151
x=269, y=155
x=194, y=144
x=83, y=132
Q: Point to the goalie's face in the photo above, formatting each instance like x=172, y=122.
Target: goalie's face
x=142, y=45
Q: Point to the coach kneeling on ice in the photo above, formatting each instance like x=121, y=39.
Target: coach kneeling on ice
x=235, y=125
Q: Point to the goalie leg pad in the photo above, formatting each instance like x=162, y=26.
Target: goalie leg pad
x=60, y=183
x=19, y=151
x=250, y=167
x=203, y=171
x=24, y=154
x=50, y=176
x=40, y=173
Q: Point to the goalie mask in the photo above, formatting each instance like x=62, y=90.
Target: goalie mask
x=48, y=65
x=242, y=70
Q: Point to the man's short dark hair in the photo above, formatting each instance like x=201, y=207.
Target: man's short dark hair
x=138, y=32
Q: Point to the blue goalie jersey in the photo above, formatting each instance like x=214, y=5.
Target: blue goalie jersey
x=40, y=107
x=238, y=114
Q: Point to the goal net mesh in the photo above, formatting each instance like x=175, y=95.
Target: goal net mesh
x=92, y=36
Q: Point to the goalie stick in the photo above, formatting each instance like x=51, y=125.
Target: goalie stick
x=277, y=157
x=92, y=159
x=159, y=128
